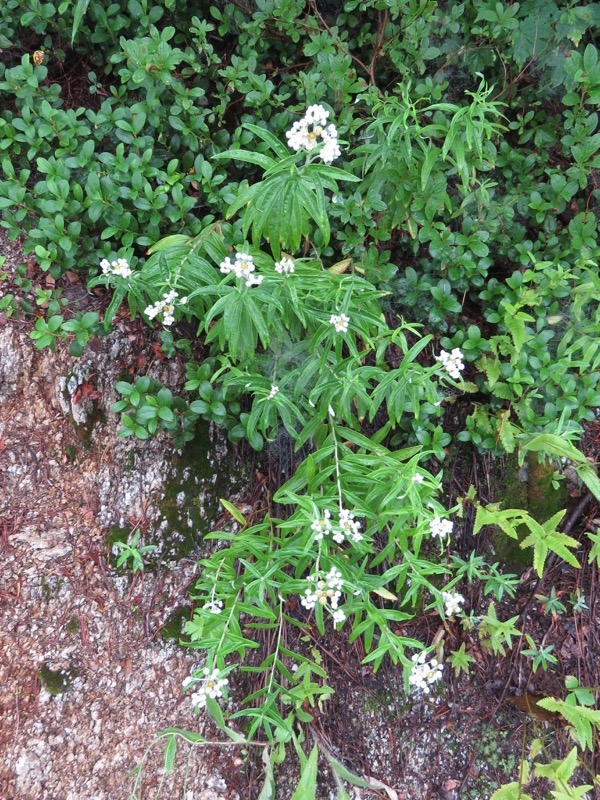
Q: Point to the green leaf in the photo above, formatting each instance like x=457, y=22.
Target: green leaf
x=214, y=709
x=588, y=475
x=268, y=790
x=274, y=143
x=558, y=446
x=80, y=9
x=170, y=751
x=176, y=240
x=428, y=164
x=594, y=554
x=512, y=791
x=259, y=159
x=307, y=786
x=235, y=512
x=324, y=171
x=531, y=37
x=191, y=737
x=554, y=445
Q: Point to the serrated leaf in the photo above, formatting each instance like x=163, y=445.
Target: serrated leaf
x=531, y=37
x=507, y=433
x=512, y=791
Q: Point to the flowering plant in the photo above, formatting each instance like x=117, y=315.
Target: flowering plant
x=357, y=546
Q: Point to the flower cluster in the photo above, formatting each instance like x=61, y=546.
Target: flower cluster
x=166, y=307
x=273, y=392
x=119, y=267
x=452, y=362
x=452, y=602
x=311, y=131
x=340, y=322
x=212, y=685
x=322, y=526
x=213, y=606
x=346, y=528
x=286, y=266
x=440, y=528
x=349, y=528
x=424, y=673
x=243, y=267
x=324, y=591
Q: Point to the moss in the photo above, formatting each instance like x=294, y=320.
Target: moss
x=56, y=681
x=192, y=493
x=73, y=625
x=544, y=500
x=530, y=488
x=173, y=626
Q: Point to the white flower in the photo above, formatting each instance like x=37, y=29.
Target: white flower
x=417, y=478
x=340, y=322
x=198, y=699
x=119, y=267
x=166, y=307
x=226, y=266
x=316, y=114
x=212, y=685
x=322, y=526
x=424, y=673
x=286, y=266
x=349, y=527
x=453, y=602
x=311, y=131
x=330, y=151
x=338, y=617
x=273, y=392
x=440, y=528
x=214, y=606
x=323, y=590
x=452, y=362
x=243, y=267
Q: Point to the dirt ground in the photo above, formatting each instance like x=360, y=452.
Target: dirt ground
x=86, y=678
